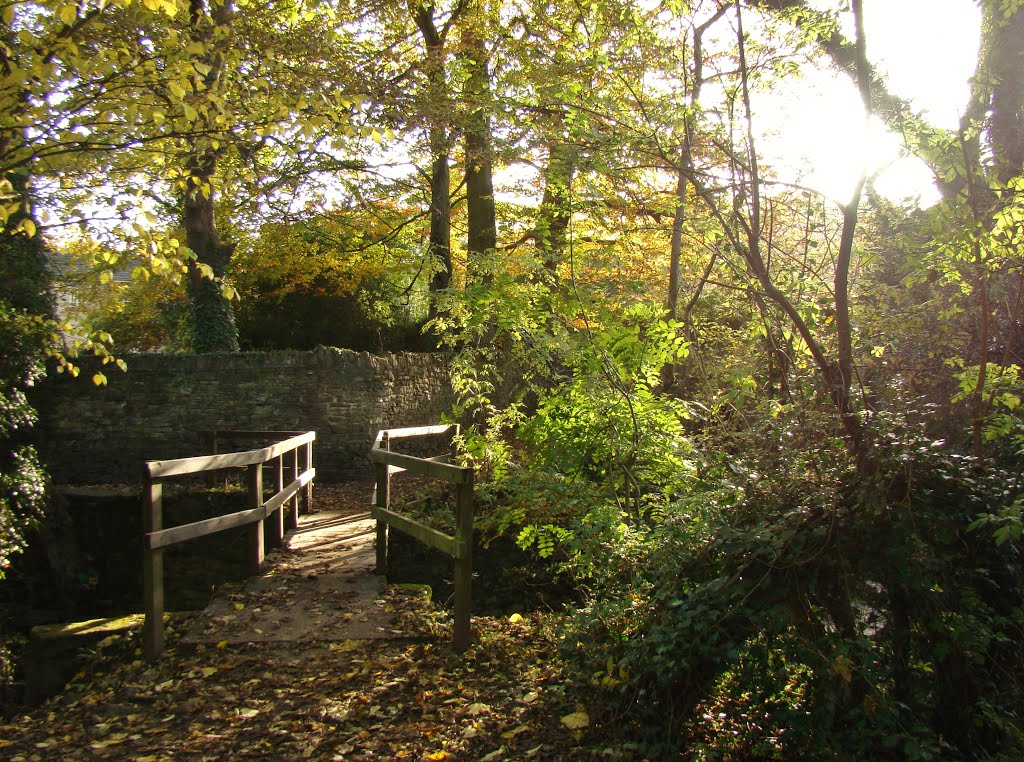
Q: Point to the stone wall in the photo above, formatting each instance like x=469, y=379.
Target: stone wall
x=156, y=410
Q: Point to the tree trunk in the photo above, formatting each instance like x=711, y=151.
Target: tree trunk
x=213, y=326
x=439, y=243
x=684, y=170
x=553, y=220
x=482, y=235
x=1005, y=52
x=24, y=278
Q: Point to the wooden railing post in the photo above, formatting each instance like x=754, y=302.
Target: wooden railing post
x=255, y=500
x=463, y=563
x=307, y=463
x=383, y=493
x=293, y=514
x=152, y=569
x=275, y=521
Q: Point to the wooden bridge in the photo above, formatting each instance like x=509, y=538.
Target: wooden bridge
x=319, y=582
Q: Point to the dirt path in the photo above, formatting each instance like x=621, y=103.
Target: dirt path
x=310, y=678
x=319, y=586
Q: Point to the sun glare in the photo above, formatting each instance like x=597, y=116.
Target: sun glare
x=814, y=124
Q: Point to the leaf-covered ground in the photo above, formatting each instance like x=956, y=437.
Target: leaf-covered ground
x=506, y=698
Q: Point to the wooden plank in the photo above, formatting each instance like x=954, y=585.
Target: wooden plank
x=292, y=521
x=242, y=433
x=290, y=490
x=399, y=470
x=275, y=519
x=185, y=532
x=152, y=572
x=307, y=465
x=200, y=463
x=421, y=431
x=437, y=469
x=423, y=533
x=255, y=499
x=461, y=635
x=382, y=501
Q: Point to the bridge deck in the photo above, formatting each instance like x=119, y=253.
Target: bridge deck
x=319, y=586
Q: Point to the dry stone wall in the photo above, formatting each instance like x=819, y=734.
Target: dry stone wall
x=158, y=409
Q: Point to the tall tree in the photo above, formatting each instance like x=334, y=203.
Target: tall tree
x=439, y=136
x=213, y=325
x=482, y=223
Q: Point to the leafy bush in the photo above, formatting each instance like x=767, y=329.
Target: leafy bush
x=785, y=609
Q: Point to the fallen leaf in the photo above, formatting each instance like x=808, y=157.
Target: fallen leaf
x=530, y=697
x=474, y=710
x=207, y=671
x=344, y=646
x=436, y=756
x=248, y=712
x=515, y=618
x=239, y=606
x=576, y=720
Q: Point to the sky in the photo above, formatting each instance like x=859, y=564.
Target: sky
x=928, y=51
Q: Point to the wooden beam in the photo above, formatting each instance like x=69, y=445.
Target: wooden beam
x=382, y=502
x=423, y=533
x=152, y=571
x=290, y=490
x=198, y=464
x=437, y=469
x=461, y=635
x=275, y=519
x=255, y=499
x=421, y=431
x=197, y=529
x=399, y=470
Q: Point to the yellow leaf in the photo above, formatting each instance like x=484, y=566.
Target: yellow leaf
x=515, y=618
x=239, y=606
x=68, y=14
x=576, y=720
x=99, y=379
x=29, y=227
x=207, y=671
x=436, y=756
x=222, y=644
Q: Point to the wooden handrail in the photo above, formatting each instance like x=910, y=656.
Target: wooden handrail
x=459, y=547
x=197, y=529
x=257, y=516
x=158, y=469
